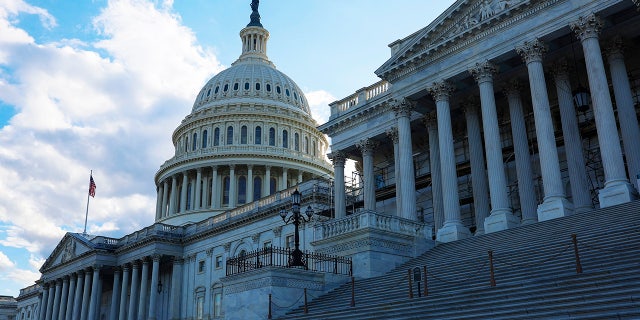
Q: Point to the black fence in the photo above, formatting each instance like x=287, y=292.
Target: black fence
x=280, y=257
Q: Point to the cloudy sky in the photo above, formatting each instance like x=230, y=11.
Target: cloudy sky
x=101, y=85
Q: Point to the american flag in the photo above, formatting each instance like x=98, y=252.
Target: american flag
x=92, y=187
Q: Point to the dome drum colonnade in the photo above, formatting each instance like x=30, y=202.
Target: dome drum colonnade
x=490, y=197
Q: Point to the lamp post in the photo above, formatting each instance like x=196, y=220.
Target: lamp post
x=295, y=258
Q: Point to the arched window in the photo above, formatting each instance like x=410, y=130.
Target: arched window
x=186, y=144
x=315, y=147
x=217, y=89
x=257, y=188
x=204, y=139
x=272, y=136
x=226, y=183
x=243, y=135
x=242, y=190
x=258, y=135
x=194, y=142
x=226, y=87
x=268, y=87
x=216, y=137
x=278, y=89
x=272, y=186
x=246, y=85
x=257, y=85
x=296, y=141
x=285, y=139
x=230, y=135
x=306, y=145
x=235, y=86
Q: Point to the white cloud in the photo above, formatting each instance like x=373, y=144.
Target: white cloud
x=110, y=106
x=319, y=104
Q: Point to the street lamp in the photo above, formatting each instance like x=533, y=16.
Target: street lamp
x=295, y=259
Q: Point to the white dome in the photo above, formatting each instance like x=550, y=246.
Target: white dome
x=256, y=79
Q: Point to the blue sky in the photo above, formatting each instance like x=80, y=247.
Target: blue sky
x=101, y=85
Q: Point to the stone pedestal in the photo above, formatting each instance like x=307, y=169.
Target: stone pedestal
x=554, y=207
x=617, y=193
x=500, y=220
x=376, y=243
x=452, y=231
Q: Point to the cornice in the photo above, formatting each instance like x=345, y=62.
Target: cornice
x=356, y=116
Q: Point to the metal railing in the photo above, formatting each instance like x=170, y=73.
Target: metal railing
x=279, y=257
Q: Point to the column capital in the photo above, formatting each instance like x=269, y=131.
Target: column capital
x=367, y=146
x=614, y=49
x=227, y=247
x=214, y=168
x=560, y=69
x=232, y=167
x=532, y=51
x=126, y=267
x=430, y=119
x=512, y=88
x=277, y=231
x=250, y=167
x=177, y=260
x=156, y=257
x=441, y=90
x=402, y=108
x=392, y=133
x=117, y=269
x=338, y=157
x=483, y=71
x=587, y=27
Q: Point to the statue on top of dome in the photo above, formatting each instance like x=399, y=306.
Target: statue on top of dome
x=255, y=16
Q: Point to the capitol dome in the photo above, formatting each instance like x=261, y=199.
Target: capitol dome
x=250, y=134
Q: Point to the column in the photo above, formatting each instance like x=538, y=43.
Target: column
x=172, y=199
x=94, y=303
x=267, y=181
x=196, y=205
x=479, y=183
x=524, y=173
x=249, y=198
x=56, y=301
x=49, y=301
x=393, y=135
x=84, y=312
x=77, y=300
x=183, y=193
x=555, y=204
x=44, y=302
x=122, y=315
x=215, y=188
x=452, y=229
x=64, y=298
x=159, y=203
x=233, y=190
x=176, y=285
x=71, y=297
x=338, y=157
x=285, y=179
x=135, y=289
x=299, y=176
x=165, y=196
x=501, y=217
x=115, y=294
x=367, y=146
x=580, y=193
x=627, y=116
x=617, y=188
x=435, y=168
x=144, y=290
x=403, y=111
x=155, y=269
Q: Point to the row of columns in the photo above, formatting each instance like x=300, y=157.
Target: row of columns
x=78, y=296
x=167, y=193
x=491, y=201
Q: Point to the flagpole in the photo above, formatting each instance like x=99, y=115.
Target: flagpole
x=86, y=214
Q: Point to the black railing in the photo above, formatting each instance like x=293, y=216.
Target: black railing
x=279, y=257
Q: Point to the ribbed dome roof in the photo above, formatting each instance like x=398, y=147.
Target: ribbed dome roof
x=251, y=79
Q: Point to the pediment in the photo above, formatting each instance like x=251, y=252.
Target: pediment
x=462, y=18
x=71, y=246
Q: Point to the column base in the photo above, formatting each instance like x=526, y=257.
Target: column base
x=554, y=207
x=616, y=193
x=452, y=231
x=500, y=219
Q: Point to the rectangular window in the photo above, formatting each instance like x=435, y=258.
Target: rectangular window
x=219, y=262
x=201, y=266
x=289, y=242
x=266, y=244
x=200, y=308
x=217, y=304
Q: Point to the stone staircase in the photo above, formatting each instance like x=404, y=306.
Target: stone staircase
x=535, y=275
